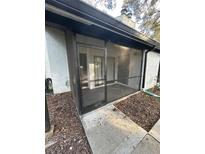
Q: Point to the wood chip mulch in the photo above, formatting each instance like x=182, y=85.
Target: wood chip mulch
x=142, y=109
x=69, y=136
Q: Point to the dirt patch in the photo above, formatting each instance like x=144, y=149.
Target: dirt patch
x=142, y=109
x=68, y=135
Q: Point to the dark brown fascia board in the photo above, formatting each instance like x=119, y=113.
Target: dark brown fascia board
x=89, y=13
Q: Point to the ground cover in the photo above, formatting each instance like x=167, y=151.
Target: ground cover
x=141, y=108
x=68, y=135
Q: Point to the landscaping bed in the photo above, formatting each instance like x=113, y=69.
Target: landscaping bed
x=141, y=108
x=68, y=134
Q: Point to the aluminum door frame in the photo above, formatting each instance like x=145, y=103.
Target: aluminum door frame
x=78, y=45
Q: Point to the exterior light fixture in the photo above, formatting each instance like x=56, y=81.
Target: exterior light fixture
x=49, y=85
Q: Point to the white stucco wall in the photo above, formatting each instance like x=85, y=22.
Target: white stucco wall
x=47, y=64
x=56, y=60
x=152, y=67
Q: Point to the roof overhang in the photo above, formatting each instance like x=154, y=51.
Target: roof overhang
x=84, y=19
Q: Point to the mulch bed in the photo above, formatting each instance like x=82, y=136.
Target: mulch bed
x=68, y=132
x=142, y=109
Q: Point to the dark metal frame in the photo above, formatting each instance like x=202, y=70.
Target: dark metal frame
x=141, y=66
x=78, y=45
x=73, y=64
x=144, y=71
x=158, y=74
x=105, y=71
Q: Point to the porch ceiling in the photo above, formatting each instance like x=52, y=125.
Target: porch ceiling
x=101, y=25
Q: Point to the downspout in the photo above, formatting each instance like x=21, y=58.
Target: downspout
x=144, y=66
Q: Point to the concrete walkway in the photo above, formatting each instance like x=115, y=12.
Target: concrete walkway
x=155, y=131
x=109, y=131
x=147, y=146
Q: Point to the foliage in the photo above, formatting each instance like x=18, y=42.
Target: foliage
x=147, y=15
x=110, y=4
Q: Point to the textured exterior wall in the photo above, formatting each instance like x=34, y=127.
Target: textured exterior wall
x=56, y=60
x=152, y=67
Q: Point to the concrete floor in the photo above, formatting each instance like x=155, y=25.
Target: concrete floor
x=97, y=95
x=155, y=131
x=109, y=131
x=147, y=146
